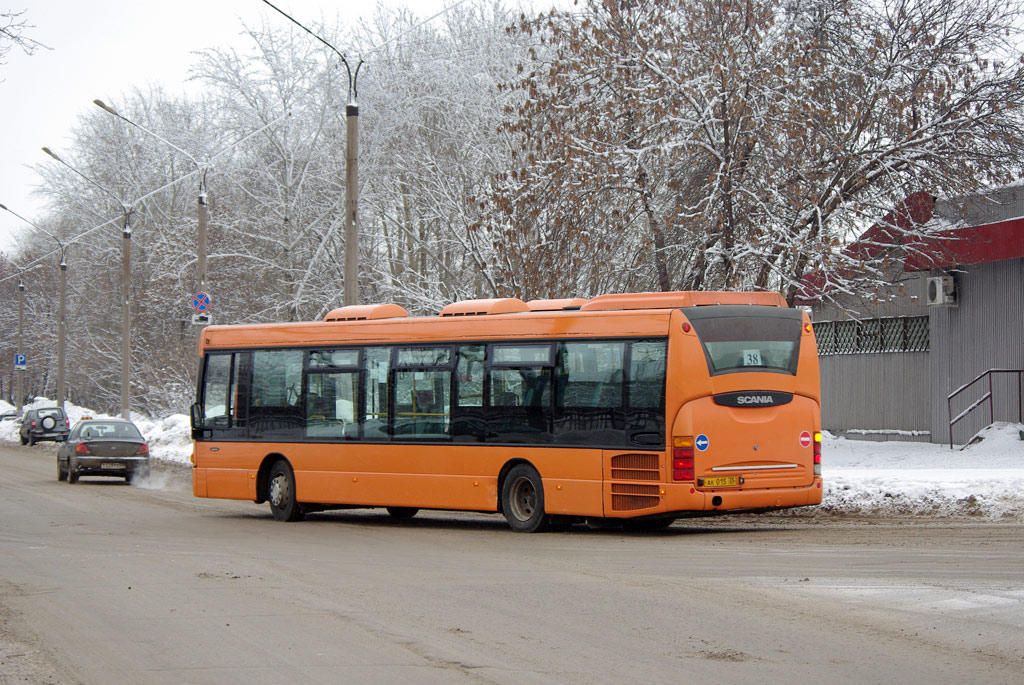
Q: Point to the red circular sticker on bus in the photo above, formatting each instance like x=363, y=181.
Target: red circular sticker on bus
x=805, y=439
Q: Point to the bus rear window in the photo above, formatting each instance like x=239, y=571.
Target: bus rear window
x=739, y=338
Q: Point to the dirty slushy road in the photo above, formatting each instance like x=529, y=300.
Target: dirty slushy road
x=101, y=582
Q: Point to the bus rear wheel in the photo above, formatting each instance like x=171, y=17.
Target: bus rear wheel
x=281, y=493
x=522, y=500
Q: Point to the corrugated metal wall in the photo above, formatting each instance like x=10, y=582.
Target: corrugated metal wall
x=906, y=392
x=985, y=331
x=882, y=395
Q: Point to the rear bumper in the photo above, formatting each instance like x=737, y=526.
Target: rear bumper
x=109, y=466
x=686, y=498
x=57, y=436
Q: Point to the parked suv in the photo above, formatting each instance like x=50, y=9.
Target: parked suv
x=47, y=423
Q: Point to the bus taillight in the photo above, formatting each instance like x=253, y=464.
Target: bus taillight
x=682, y=458
x=817, y=453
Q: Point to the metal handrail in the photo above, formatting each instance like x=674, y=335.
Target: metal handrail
x=987, y=397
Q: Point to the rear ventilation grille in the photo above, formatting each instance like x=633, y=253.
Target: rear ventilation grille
x=636, y=466
x=634, y=496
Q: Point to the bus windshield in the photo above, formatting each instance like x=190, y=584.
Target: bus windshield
x=740, y=338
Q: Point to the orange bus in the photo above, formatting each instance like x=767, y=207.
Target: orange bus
x=632, y=408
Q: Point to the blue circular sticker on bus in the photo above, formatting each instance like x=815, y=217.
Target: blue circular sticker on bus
x=702, y=442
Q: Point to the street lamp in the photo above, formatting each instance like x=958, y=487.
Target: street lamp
x=126, y=279
x=60, y=306
x=351, y=273
x=202, y=169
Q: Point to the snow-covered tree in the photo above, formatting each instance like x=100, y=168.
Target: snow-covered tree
x=12, y=34
x=737, y=143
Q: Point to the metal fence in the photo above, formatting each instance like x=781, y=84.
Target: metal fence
x=866, y=336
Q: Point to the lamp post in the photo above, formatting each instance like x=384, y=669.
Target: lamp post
x=351, y=186
x=126, y=278
x=351, y=274
x=60, y=306
x=202, y=169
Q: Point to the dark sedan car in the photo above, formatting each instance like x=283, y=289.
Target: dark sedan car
x=103, y=447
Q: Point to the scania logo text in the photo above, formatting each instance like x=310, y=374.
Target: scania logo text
x=755, y=399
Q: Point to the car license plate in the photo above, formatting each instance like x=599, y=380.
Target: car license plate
x=721, y=481
x=112, y=466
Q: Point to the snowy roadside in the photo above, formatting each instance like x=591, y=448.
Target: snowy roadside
x=985, y=479
x=862, y=478
x=169, y=438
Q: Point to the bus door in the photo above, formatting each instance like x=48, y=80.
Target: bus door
x=756, y=426
x=222, y=413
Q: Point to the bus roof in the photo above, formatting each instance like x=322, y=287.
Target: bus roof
x=617, y=315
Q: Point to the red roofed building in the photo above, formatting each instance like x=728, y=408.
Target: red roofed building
x=954, y=311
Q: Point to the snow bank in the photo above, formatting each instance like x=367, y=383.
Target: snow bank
x=169, y=439
x=984, y=480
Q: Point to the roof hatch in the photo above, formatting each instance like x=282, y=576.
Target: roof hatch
x=504, y=305
x=555, y=305
x=362, y=312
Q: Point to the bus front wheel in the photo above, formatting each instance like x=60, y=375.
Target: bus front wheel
x=522, y=500
x=281, y=493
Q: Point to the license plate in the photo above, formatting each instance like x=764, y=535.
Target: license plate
x=112, y=466
x=721, y=481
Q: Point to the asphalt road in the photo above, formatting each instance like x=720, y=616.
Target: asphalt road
x=101, y=582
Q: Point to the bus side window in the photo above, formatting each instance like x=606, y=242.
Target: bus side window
x=471, y=376
x=520, y=393
x=645, y=411
x=276, y=410
x=374, y=414
x=216, y=385
x=590, y=393
x=423, y=384
x=468, y=420
x=330, y=404
x=225, y=384
x=422, y=403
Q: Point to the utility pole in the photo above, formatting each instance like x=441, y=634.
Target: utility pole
x=20, y=373
x=126, y=276
x=126, y=317
x=201, y=236
x=62, y=301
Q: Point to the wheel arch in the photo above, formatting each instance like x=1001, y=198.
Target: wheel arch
x=263, y=474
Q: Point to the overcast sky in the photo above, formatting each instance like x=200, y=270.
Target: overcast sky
x=103, y=48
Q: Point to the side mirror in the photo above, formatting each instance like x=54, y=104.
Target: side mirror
x=197, y=420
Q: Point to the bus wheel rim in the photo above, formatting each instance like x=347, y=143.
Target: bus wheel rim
x=524, y=499
x=278, y=491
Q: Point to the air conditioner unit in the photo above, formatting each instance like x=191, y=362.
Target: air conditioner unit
x=942, y=291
